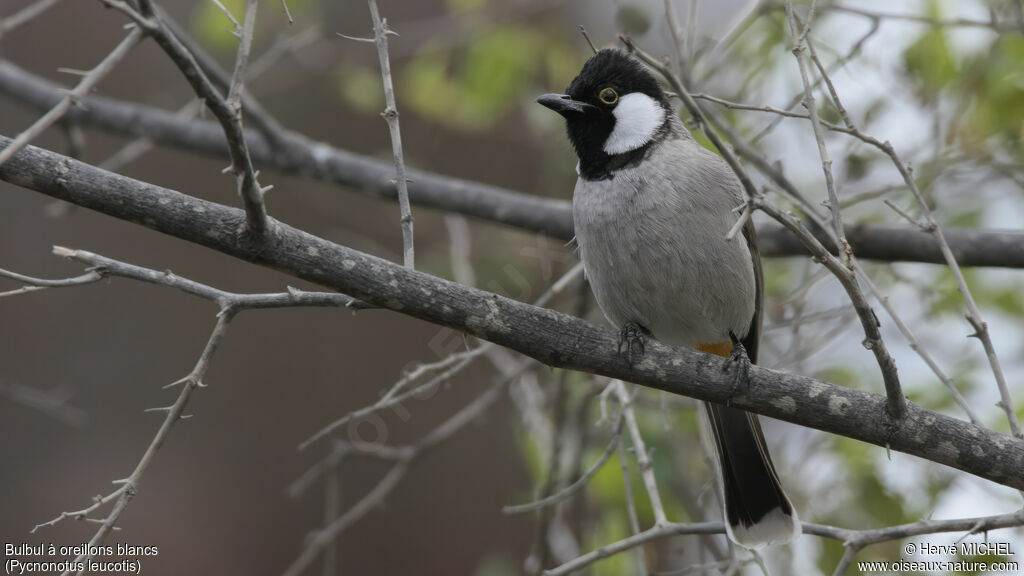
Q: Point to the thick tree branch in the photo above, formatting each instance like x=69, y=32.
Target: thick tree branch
x=534, y=213
x=555, y=339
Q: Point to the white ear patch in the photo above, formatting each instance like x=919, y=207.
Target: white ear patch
x=637, y=118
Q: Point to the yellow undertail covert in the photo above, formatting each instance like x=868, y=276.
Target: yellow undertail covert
x=716, y=348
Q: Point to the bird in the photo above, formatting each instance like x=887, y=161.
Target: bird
x=652, y=210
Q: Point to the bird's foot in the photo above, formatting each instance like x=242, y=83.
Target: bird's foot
x=634, y=336
x=738, y=365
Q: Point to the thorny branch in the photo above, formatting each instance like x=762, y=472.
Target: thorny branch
x=26, y=14
x=931, y=226
x=229, y=305
x=643, y=458
x=579, y=483
x=85, y=85
x=873, y=336
x=403, y=457
x=390, y=114
x=846, y=276
x=229, y=116
x=449, y=366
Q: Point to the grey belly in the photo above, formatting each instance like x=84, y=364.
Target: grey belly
x=674, y=275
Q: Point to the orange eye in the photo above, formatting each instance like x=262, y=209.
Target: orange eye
x=608, y=96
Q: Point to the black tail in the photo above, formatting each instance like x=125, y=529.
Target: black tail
x=756, y=509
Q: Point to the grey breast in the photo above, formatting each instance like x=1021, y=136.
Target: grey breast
x=652, y=242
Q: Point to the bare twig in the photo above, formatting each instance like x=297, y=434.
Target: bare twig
x=88, y=82
x=390, y=114
x=227, y=115
x=284, y=44
x=129, y=486
x=53, y=402
x=539, y=554
x=139, y=146
x=34, y=284
x=459, y=250
x=858, y=539
x=578, y=484
x=452, y=365
x=552, y=538
x=583, y=32
x=404, y=458
x=656, y=532
x=102, y=266
x=256, y=68
x=643, y=458
x=838, y=64
x=819, y=136
x=231, y=17
x=681, y=53
x=25, y=15
x=287, y=13
x=869, y=321
x=915, y=345
x=229, y=303
x=234, y=99
x=931, y=226
x=253, y=111
x=981, y=331
x=634, y=520
x=332, y=497
x=992, y=25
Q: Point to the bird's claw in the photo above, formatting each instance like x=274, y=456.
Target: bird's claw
x=738, y=363
x=634, y=336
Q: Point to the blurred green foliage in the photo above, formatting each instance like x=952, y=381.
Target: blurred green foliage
x=987, y=84
x=995, y=87
x=929, y=63
x=475, y=86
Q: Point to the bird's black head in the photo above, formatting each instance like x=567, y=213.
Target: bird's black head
x=614, y=111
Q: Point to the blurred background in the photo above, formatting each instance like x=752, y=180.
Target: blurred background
x=78, y=366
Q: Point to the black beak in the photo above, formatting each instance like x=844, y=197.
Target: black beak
x=563, y=104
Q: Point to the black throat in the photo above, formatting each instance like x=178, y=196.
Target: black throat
x=588, y=136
